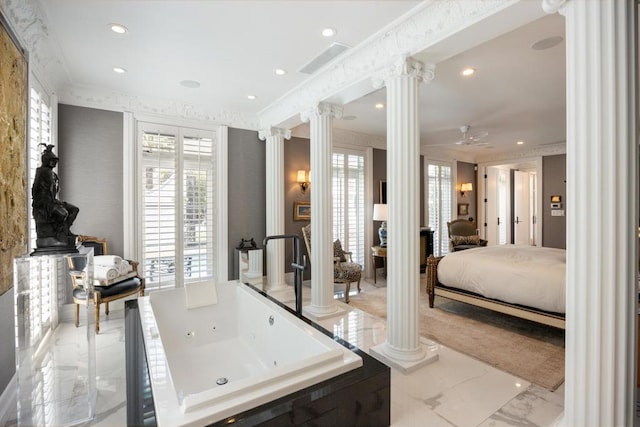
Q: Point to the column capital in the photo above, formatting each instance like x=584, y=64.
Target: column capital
x=404, y=66
x=553, y=6
x=321, y=109
x=263, y=134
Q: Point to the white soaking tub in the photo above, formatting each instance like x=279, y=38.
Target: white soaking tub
x=212, y=362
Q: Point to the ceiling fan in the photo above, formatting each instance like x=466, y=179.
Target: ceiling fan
x=472, y=138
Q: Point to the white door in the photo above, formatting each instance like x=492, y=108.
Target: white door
x=496, y=205
x=521, y=221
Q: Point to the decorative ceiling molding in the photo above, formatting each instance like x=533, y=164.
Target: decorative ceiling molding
x=542, y=150
x=345, y=137
x=423, y=26
x=119, y=101
x=26, y=19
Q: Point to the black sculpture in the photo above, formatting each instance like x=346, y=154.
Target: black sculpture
x=53, y=217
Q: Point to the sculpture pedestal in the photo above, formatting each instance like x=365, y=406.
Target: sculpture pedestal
x=56, y=382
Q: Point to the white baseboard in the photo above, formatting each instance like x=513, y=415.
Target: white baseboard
x=8, y=400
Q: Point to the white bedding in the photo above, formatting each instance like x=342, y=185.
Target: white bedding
x=525, y=275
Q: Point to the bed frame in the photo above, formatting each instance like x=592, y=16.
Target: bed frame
x=436, y=288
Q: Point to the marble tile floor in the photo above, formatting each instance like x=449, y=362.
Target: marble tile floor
x=456, y=390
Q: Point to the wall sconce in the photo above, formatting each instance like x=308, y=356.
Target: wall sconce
x=302, y=180
x=467, y=186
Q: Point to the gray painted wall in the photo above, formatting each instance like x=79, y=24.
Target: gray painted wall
x=7, y=338
x=554, y=176
x=247, y=190
x=467, y=173
x=90, y=171
x=380, y=174
x=296, y=157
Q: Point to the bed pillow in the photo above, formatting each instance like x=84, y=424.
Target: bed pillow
x=465, y=240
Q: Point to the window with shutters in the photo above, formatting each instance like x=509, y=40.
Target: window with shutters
x=177, y=183
x=348, y=201
x=39, y=133
x=41, y=272
x=439, y=183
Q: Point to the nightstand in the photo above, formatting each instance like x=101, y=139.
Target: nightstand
x=379, y=252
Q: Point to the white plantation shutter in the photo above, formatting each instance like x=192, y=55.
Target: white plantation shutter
x=39, y=133
x=348, y=202
x=440, y=205
x=177, y=187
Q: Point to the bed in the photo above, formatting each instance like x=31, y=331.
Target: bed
x=523, y=281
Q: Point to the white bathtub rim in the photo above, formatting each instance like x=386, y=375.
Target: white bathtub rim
x=169, y=410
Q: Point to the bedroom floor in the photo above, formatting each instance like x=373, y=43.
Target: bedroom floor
x=456, y=390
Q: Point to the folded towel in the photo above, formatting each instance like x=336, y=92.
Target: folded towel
x=107, y=260
x=101, y=272
x=125, y=267
x=201, y=294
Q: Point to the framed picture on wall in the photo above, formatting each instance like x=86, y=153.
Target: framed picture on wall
x=383, y=191
x=301, y=210
x=463, y=208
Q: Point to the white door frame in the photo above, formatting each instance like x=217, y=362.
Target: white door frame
x=482, y=167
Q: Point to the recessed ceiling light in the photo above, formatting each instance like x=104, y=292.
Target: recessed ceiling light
x=117, y=28
x=468, y=72
x=520, y=142
x=119, y=70
x=379, y=105
x=192, y=84
x=329, y=32
x=280, y=71
x=547, y=43
x=251, y=97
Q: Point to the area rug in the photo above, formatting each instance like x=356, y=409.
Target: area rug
x=526, y=349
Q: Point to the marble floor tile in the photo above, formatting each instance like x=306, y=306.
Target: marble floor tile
x=455, y=391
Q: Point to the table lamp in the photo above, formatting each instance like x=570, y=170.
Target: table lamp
x=380, y=214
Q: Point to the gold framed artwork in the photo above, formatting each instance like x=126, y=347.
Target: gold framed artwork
x=13, y=159
x=463, y=208
x=301, y=210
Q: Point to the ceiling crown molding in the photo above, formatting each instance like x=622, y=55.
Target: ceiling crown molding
x=26, y=20
x=119, y=101
x=346, y=138
x=542, y=150
x=423, y=26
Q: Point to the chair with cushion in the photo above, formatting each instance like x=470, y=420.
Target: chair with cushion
x=344, y=271
x=463, y=234
x=105, y=290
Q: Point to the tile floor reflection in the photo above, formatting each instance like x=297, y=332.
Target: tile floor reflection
x=456, y=390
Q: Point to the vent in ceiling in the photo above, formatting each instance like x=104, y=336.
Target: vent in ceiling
x=334, y=50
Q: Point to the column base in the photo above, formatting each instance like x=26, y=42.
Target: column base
x=318, y=313
x=405, y=362
x=276, y=287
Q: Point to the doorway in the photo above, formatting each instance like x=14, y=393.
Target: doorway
x=511, y=202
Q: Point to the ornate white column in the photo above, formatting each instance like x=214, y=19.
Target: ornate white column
x=402, y=348
x=321, y=151
x=275, y=204
x=602, y=196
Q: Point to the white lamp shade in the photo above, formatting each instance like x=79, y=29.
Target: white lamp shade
x=302, y=176
x=379, y=212
x=467, y=186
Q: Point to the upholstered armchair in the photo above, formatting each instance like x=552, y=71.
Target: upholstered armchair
x=463, y=234
x=344, y=271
